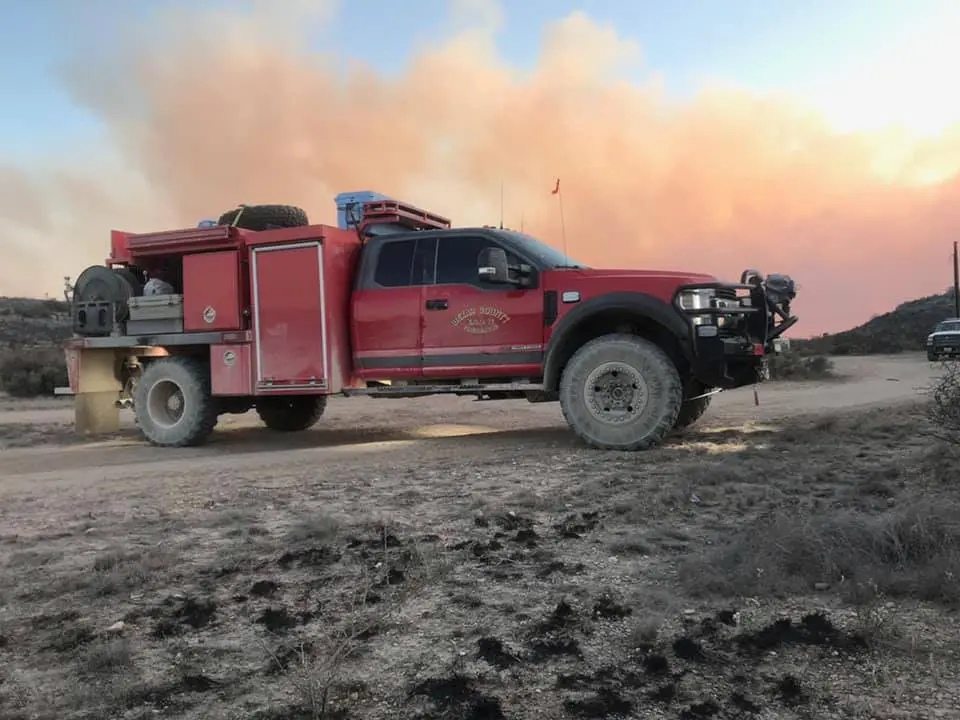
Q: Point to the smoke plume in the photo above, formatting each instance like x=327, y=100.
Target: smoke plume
x=202, y=113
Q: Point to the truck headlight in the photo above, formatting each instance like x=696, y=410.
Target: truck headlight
x=706, y=298
x=699, y=299
x=696, y=299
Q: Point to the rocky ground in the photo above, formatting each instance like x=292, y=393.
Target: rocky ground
x=448, y=559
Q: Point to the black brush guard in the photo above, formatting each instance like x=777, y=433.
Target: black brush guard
x=734, y=355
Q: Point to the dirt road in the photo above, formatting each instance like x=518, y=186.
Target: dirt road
x=440, y=427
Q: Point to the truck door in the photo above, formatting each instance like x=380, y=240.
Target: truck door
x=386, y=303
x=386, y=312
x=476, y=329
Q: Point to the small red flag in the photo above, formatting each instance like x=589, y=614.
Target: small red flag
x=556, y=188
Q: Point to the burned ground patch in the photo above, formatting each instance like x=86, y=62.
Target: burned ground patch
x=179, y=614
x=545, y=576
x=456, y=696
x=672, y=673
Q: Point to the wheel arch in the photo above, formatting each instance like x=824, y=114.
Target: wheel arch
x=634, y=313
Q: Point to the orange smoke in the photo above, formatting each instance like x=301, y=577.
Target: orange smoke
x=200, y=120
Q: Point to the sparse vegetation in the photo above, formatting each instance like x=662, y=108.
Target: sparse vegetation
x=911, y=550
x=944, y=408
x=32, y=372
x=797, y=567
x=794, y=366
x=770, y=568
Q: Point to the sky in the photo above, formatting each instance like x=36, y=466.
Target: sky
x=818, y=139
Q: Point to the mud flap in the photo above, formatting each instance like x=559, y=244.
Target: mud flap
x=97, y=392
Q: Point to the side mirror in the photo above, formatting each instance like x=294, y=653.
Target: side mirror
x=492, y=266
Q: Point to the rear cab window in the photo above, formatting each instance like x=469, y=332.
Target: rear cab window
x=395, y=263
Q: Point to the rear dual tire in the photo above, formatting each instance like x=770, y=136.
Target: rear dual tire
x=173, y=404
x=621, y=392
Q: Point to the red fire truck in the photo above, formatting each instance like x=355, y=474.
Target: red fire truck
x=260, y=310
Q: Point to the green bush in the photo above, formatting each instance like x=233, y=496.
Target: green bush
x=32, y=372
x=793, y=366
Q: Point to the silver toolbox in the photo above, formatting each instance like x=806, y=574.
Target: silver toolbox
x=155, y=314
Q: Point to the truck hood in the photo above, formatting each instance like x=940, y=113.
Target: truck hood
x=673, y=275
x=588, y=283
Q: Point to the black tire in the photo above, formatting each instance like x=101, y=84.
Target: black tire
x=161, y=383
x=648, y=364
x=932, y=357
x=693, y=410
x=291, y=414
x=265, y=217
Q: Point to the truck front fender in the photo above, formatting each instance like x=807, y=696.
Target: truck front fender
x=602, y=314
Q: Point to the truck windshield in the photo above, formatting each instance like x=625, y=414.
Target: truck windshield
x=948, y=326
x=549, y=256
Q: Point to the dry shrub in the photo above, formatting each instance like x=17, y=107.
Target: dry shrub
x=912, y=550
x=944, y=408
x=793, y=366
x=32, y=372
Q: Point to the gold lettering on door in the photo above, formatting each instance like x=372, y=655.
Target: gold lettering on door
x=480, y=320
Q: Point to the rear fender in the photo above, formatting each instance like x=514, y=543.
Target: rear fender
x=566, y=337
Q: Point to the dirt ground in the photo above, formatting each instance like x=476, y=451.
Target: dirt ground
x=443, y=558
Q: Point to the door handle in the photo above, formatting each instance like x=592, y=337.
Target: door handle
x=437, y=304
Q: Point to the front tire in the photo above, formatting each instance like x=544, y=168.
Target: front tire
x=173, y=404
x=932, y=357
x=621, y=392
x=291, y=414
x=693, y=410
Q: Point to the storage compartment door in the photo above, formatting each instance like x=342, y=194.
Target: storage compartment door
x=211, y=291
x=289, y=319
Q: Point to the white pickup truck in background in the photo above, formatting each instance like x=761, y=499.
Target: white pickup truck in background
x=944, y=340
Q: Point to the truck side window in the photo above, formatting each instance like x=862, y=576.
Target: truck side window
x=425, y=261
x=395, y=263
x=457, y=260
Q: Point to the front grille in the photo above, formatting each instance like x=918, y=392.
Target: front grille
x=947, y=341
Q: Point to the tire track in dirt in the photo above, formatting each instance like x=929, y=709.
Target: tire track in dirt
x=360, y=432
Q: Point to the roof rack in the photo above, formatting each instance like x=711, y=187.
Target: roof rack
x=376, y=212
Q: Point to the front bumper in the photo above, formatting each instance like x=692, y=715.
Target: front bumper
x=733, y=327
x=944, y=345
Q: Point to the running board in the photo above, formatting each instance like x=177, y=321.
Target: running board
x=460, y=389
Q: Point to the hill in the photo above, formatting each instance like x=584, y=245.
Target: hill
x=903, y=329
x=33, y=322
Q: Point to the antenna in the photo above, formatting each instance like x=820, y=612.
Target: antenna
x=563, y=227
x=521, y=220
x=501, y=203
